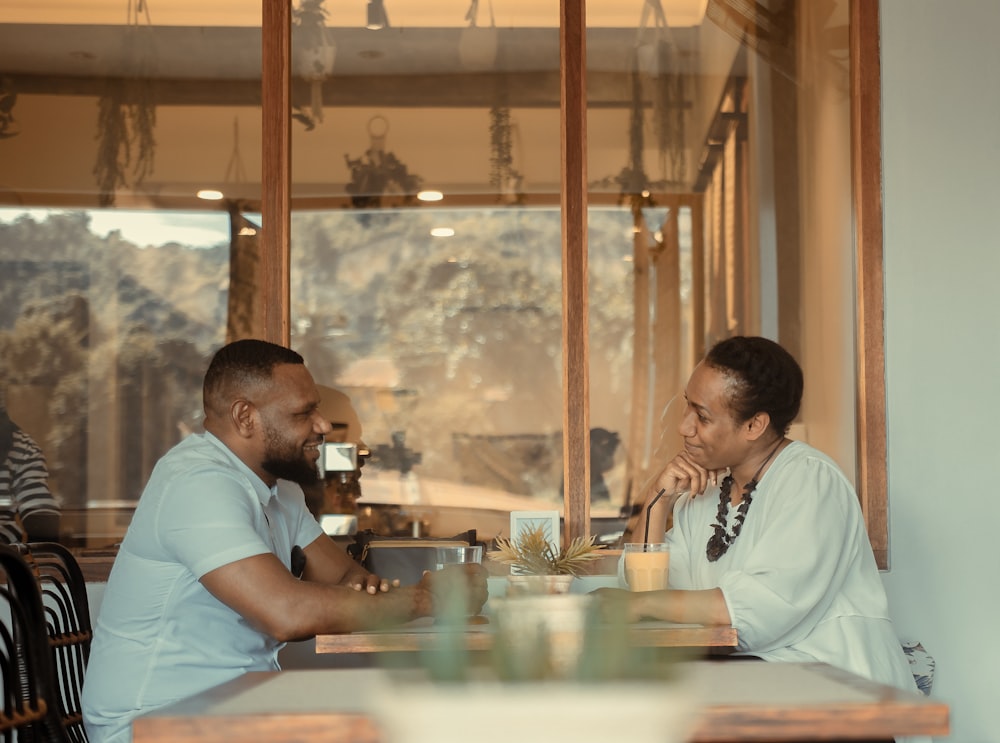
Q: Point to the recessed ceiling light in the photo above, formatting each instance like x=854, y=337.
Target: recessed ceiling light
x=430, y=195
x=442, y=232
x=209, y=194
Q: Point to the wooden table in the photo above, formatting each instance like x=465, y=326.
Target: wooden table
x=750, y=701
x=421, y=634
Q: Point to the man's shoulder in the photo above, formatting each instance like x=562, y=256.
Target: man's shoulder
x=200, y=463
x=196, y=450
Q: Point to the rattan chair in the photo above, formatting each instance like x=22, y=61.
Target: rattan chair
x=30, y=702
x=67, y=619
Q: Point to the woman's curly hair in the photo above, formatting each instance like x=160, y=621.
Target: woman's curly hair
x=763, y=378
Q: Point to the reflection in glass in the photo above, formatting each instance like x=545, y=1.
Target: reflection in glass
x=115, y=283
x=719, y=193
x=105, y=343
x=450, y=349
x=735, y=119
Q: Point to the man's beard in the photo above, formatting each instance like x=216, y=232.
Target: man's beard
x=281, y=462
x=299, y=471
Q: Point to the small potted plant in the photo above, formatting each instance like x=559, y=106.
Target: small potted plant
x=550, y=680
x=537, y=567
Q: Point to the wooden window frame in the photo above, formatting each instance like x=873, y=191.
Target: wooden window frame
x=867, y=202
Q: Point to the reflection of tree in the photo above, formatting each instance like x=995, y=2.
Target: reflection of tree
x=160, y=379
x=337, y=266
x=473, y=329
x=471, y=323
x=611, y=317
x=116, y=338
x=47, y=349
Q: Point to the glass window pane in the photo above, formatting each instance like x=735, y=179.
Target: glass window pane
x=448, y=346
x=721, y=130
x=115, y=274
x=449, y=349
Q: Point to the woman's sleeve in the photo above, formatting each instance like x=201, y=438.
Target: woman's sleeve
x=679, y=571
x=803, y=547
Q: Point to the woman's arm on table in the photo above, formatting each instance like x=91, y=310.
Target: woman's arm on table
x=706, y=606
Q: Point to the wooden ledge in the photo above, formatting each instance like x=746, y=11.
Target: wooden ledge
x=95, y=563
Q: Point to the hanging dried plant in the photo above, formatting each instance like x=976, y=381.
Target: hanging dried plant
x=375, y=174
x=113, y=152
x=127, y=113
x=503, y=176
x=141, y=104
x=8, y=97
x=669, y=115
x=314, y=57
x=378, y=173
x=310, y=22
x=657, y=79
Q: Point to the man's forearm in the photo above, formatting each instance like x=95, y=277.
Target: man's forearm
x=323, y=609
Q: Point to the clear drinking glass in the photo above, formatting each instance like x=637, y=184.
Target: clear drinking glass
x=646, y=565
x=458, y=555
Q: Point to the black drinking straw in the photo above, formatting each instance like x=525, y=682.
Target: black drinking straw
x=645, y=538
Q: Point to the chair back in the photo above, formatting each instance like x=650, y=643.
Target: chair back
x=30, y=706
x=67, y=619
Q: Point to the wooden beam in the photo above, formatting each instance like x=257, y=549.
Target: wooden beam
x=639, y=434
x=866, y=160
x=575, y=331
x=276, y=169
x=605, y=89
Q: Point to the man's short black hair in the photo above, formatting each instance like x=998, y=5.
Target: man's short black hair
x=242, y=365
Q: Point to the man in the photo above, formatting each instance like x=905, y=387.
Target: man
x=205, y=584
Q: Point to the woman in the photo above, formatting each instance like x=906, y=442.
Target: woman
x=767, y=533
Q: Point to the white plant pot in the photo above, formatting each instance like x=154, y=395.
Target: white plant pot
x=410, y=711
x=555, y=622
x=535, y=585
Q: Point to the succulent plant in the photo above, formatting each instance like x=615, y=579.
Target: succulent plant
x=532, y=553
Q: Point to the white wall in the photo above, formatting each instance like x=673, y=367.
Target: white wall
x=941, y=133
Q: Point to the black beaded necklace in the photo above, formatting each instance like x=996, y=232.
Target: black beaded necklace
x=719, y=542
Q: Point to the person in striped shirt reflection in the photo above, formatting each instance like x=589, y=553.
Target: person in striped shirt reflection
x=28, y=509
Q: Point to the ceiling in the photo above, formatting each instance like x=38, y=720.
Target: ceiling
x=234, y=53
x=345, y=13
x=188, y=40
x=208, y=55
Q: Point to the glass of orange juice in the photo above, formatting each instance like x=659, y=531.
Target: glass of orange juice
x=646, y=565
